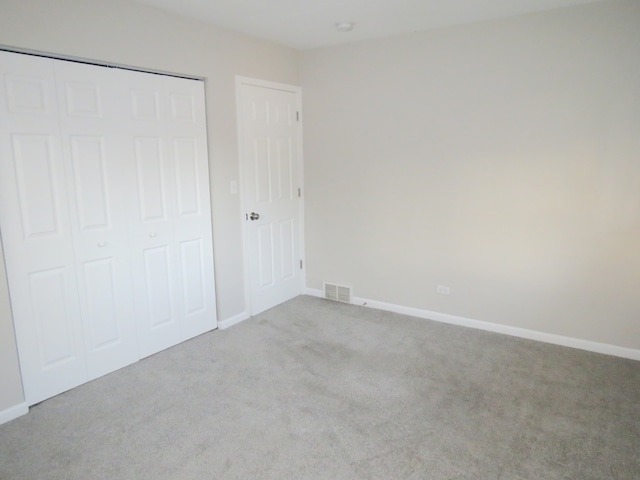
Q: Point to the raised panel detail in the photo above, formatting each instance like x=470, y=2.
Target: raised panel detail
x=285, y=177
x=265, y=255
x=48, y=297
x=157, y=279
x=150, y=178
x=261, y=158
x=283, y=114
x=259, y=112
x=83, y=100
x=192, y=276
x=286, y=249
x=26, y=95
x=182, y=108
x=187, y=175
x=89, y=168
x=33, y=162
x=144, y=105
x=101, y=301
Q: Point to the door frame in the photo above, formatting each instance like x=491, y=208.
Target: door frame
x=242, y=80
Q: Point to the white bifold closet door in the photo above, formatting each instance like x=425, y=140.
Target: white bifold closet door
x=105, y=217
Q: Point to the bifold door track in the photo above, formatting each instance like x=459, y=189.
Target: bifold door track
x=98, y=64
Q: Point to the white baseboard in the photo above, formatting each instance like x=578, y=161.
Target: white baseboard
x=578, y=343
x=230, y=322
x=13, y=412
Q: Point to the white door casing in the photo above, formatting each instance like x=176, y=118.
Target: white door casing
x=105, y=215
x=271, y=183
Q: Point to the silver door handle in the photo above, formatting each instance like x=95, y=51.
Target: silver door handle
x=254, y=216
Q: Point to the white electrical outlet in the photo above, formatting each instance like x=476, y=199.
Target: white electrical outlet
x=442, y=290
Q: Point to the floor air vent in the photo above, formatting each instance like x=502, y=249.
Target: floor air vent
x=339, y=293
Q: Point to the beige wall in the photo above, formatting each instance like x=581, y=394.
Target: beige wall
x=11, y=390
x=124, y=33
x=501, y=159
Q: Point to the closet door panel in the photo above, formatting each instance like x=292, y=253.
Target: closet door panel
x=155, y=266
x=37, y=231
x=98, y=166
x=105, y=216
x=169, y=131
x=187, y=124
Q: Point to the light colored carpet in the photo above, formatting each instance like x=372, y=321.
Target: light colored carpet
x=319, y=390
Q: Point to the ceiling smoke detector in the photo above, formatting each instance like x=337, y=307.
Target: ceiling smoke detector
x=344, y=26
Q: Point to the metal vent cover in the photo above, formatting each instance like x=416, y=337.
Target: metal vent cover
x=338, y=293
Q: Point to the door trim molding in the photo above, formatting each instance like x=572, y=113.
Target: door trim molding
x=230, y=322
x=14, y=412
x=256, y=82
x=536, y=335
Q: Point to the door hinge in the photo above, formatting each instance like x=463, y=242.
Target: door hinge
x=297, y=116
x=299, y=192
x=300, y=264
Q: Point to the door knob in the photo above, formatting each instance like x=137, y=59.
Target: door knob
x=254, y=216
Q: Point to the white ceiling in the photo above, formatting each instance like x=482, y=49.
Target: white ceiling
x=304, y=24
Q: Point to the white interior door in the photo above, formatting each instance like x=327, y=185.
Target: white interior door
x=271, y=154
